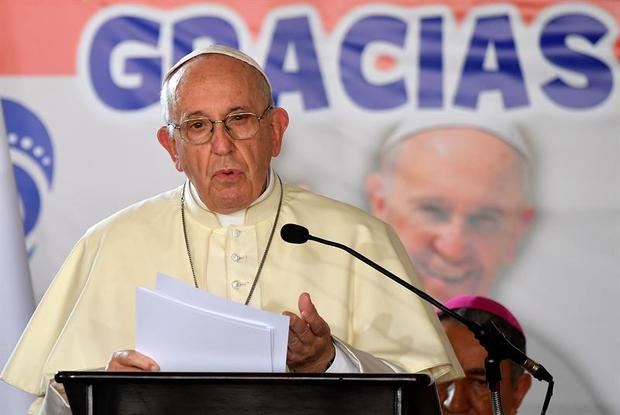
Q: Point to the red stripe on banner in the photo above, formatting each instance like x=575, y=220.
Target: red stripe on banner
x=41, y=38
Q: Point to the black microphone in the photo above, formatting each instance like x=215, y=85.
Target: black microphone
x=294, y=234
x=488, y=334
x=496, y=344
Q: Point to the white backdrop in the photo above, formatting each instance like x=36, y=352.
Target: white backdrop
x=564, y=283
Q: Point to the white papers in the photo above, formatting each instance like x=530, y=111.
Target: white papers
x=185, y=329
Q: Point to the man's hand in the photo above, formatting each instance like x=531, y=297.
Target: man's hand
x=131, y=361
x=310, y=344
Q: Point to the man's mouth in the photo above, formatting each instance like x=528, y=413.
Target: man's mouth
x=227, y=174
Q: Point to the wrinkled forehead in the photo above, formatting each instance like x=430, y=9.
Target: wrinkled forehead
x=208, y=70
x=214, y=67
x=222, y=52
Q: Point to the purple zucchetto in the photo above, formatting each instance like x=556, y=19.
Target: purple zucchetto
x=474, y=302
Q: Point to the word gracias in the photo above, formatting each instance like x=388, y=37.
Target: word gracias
x=295, y=35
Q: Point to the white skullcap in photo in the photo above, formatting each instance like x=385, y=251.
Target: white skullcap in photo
x=505, y=130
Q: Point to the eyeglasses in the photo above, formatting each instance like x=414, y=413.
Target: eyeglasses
x=239, y=125
x=475, y=388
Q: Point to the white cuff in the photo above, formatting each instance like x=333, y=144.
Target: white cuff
x=364, y=362
x=342, y=362
x=55, y=401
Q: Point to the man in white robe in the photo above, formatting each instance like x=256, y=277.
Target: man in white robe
x=213, y=232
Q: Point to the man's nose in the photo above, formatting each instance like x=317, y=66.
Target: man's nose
x=452, y=242
x=221, y=142
x=456, y=400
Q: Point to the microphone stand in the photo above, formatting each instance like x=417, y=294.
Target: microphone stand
x=487, y=334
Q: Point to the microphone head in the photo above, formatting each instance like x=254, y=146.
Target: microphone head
x=294, y=234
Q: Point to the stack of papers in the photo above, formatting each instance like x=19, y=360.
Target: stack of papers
x=186, y=329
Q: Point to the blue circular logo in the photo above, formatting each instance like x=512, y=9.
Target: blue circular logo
x=32, y=154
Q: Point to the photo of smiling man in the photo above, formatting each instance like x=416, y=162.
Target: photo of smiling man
x=457, y=195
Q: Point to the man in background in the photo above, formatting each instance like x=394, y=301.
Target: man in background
x=470, y=395
x=457, y=196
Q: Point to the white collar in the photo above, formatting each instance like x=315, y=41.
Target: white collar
x=235, y=218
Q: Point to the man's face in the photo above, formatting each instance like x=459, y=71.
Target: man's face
x=470, y=396
x=228, y=174
x=455, y=197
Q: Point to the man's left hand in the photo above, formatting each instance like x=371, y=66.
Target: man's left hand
x=310, y=344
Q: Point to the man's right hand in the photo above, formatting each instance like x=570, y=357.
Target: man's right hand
x=131, y=361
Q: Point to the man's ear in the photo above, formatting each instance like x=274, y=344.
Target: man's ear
x=375, y=187
x=520, y=388
x=279, y=123
x=169, y=143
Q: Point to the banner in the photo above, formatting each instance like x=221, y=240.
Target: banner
x=485, y=132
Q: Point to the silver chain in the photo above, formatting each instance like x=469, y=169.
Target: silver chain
x=264, y=257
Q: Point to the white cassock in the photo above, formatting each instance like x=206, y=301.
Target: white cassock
x=88, y=310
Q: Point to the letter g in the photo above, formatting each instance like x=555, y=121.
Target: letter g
x=149, y=70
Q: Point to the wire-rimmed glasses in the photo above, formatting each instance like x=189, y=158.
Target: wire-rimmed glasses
x=239, y=125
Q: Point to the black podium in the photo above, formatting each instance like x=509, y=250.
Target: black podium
x=131, y=393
